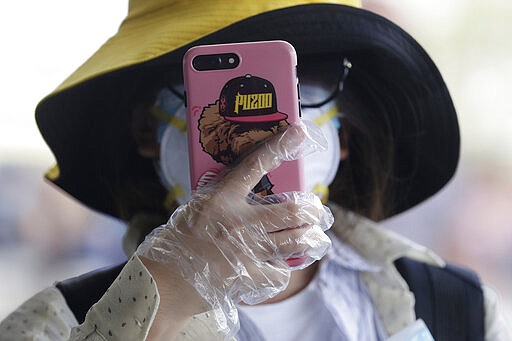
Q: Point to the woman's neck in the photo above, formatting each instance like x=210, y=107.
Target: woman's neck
x=299, y=280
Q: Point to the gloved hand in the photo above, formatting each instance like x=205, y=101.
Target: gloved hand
x=231, y=248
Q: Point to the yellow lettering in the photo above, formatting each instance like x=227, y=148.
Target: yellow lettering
x=239, y=100
x=253, y=101
x=267, y=99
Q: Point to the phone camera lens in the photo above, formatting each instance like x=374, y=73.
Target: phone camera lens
x=215, y=61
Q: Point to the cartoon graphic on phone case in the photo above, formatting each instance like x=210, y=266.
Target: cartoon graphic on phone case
x=245, y=113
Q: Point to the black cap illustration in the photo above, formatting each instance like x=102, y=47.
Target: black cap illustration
x=249, y=99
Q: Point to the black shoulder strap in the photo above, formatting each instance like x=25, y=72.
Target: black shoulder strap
x=449, y=299
x=83, y=291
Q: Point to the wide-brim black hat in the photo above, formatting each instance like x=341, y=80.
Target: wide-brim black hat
x=86, y=120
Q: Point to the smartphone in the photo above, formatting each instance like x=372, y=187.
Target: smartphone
x=238, y=95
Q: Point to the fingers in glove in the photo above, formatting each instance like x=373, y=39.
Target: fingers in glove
x=295, y=209
x=285, y=146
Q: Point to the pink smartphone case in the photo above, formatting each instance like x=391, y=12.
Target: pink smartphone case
x=230, y=110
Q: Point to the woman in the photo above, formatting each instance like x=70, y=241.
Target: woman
x=194, y=276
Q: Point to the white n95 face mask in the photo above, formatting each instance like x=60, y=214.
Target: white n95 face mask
x=173, y=169
x=320, y=167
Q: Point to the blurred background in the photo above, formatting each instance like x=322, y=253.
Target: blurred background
x=46, y=236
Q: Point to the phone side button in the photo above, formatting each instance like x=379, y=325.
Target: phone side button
x=298, y=95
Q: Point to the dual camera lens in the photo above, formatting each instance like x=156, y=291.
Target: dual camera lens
x=220, y=61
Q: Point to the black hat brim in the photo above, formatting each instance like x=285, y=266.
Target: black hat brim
x=82, y=137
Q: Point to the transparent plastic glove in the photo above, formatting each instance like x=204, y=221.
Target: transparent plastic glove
x=231, y=248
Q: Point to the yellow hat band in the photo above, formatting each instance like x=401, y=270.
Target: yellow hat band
x=156, y=27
